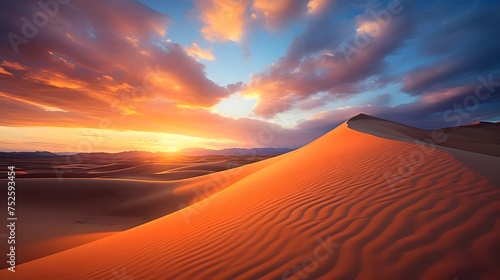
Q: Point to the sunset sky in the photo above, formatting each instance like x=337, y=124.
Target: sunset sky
x=115, y=75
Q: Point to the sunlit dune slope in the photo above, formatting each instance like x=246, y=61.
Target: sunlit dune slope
x=350, y=205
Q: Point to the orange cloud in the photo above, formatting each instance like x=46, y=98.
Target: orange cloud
x=108, y=69
x=315, y=6
x=107, y=77
x=44, y=107
x=13, y=65
x=275, y=13
x=371, y=28
x=59, y=80
x=195, y=51
x=227, y=20
x=3, y=71
x=67, y=63
x=224, y=19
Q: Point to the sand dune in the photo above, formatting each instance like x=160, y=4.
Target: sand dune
x=57, y=216
x=119, y=166
x=350, y=205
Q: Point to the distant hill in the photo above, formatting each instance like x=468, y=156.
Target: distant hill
x=142, y=154
x=37, y=154
x=194, y=152
x=126, y=154
x=234, y=152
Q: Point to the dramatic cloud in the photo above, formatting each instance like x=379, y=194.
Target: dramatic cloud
x=275, y=13
x=326, y=58
x=195, y=51
x=99, y=54
x=467, y=53
x=229, y=20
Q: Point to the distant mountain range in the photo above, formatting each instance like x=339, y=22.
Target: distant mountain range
x=234, y=151
x=129, y=154
x=28, y=154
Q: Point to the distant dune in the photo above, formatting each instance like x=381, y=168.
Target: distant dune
x=131, y=165
x=368, y=200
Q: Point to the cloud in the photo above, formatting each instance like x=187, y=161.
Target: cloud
x=336, y=58
x=466, y=46
x=157, y=116
x=195, y=51
x=436, y=109
x=230, y=20
x=331, y=57
x=5, y=72
x=13, y=65
x=94, y=47
x=224, y=19
x=315, y=6
x=276, y=13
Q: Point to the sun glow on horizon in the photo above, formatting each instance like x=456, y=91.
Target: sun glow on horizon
x=88, y=140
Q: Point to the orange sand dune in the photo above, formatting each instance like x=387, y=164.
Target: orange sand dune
x=350, y=205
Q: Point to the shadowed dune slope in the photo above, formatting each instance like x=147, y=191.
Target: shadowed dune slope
x=482, y=137
x=476, y=145
x=343, y=207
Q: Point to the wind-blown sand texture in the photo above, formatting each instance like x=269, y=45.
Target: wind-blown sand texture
x=350, y=205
